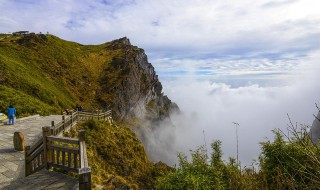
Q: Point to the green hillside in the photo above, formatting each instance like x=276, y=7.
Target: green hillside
x=43, y=74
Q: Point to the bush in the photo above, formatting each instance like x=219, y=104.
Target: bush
x=197, y=173
x=291, y=162
x=285, y=163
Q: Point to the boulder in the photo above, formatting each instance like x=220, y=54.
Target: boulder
x=18, y=141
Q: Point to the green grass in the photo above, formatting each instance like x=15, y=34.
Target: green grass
x=58, y=73
x=24, y=103
x=117, y=157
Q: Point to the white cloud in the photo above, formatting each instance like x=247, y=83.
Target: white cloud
x=181, y=26
x=212, y=107
x=222, y=69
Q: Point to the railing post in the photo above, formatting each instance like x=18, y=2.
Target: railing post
x=84, y=171
x=76, y=115
x=81, y=135
x=83, y=151
x=92, y=114
x=85, y=179
x=98, y=115
x=26, y=165
x=64, y=121
x=52, y=128
x=46, y=132
x=71, y=118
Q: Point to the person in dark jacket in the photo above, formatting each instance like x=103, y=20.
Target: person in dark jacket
x=11, y=112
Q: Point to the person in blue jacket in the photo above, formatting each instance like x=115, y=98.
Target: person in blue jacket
x=11, y=111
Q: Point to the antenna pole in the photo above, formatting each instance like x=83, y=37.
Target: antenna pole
x=205, y=142
x=237, y=125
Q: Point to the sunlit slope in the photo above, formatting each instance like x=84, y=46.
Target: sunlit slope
x=117, y=158
x=44, y=74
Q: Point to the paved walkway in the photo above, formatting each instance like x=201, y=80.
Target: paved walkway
x=44, y=179
x=12, y=162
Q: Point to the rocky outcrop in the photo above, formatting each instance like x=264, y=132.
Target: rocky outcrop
x=138, y=92
x=32, y=39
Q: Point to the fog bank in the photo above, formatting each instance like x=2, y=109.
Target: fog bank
x=209, y=109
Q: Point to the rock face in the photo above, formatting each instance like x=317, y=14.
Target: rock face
x=138, y=92
x=136, y=95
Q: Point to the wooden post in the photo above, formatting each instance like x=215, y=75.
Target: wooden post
x=84, y=179
x=83, y=150
x=52, y=131
x=92, y=114
x=26, y=165
x=77, y=115
x=98, y=115
x=84, y=170
x=64, y=121
x=46, y=132
x=52, y=128
x=71, y=118
x=81, y=135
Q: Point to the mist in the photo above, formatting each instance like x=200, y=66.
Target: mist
x=209, y=108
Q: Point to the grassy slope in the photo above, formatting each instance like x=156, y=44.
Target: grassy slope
x=46, y=74
x=117, y=158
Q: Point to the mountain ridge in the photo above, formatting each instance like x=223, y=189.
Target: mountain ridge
x=43, y=74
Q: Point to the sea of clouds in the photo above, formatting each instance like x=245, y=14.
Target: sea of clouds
x=209, y=109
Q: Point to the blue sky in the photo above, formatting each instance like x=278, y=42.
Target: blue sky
x=267, y=36
x=244, y=61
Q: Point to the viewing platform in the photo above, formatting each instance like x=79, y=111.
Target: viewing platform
x=18, y=173
x=12, y=168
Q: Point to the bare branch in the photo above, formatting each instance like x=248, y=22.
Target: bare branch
x=316, y=117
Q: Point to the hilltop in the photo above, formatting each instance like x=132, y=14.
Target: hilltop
x=43, y=74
